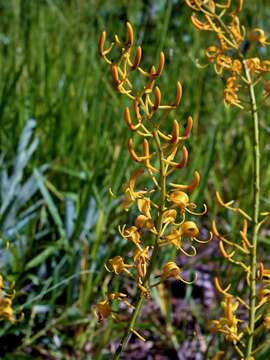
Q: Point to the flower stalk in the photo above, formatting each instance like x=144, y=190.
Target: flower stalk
x=140, y=300
x=256, y=213
x=165, y=207
x=240, y=73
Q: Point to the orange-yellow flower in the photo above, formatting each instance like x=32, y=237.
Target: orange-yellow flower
x=117, y=265
x=189, y=229
x=259, y=36
x=141, y=258
x=6, y=311
x=230, y=92
x=145, y=219
x=180, y=199
x=103, y=310
x=130, y=194
x=266, y=321
x=131, y=234
x=169, y=216
x=172, y=270
x=228, y=324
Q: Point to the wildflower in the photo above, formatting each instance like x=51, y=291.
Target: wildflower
x=228, y=324
x=144, y=205
x=143, y=221
x=180, y=199
x=173, y=238
x=6, y=311
x=159, y=151
x=235, y=29
x=254, y=65
x=189, y=229
x=258, y=35
x=172, y=270
x=117, y=265
x=263, y=273
x=230, y=93
x=131, y=234
x=141, y=259
x=102, y=310
x=236, y=66
x=266, y=321
x=169, y=216
x=130, y=194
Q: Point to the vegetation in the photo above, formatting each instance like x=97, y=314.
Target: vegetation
x=64, y=146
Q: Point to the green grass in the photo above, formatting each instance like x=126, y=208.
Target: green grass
x=51, y=72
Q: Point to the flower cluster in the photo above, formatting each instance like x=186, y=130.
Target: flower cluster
x=237, y=252
x=233, y=43
x=6, y=311
x=165, y=211
x=237, y=58
x=228, y=323
x=264, y=294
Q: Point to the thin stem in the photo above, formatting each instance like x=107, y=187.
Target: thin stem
x=256, y=212
x=152, y=263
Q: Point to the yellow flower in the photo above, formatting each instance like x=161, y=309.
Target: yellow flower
x=259, y=36
x=254, y=65
x=169, y=216
x=266, y=321
x=117, y=265
x=189, y=229
x=6, y=311
x=172, y=270
x=1, y=282
x=228, y=324
x=131, y=234
x=174, y=238
x=264, y=294
x=143, y=221
x=180, y=199
x=237, y=66
x=141, y=258
x=144, y=206
x=212, y=52
x=130, y=194
x=235, y=28
x=223, y=62
x=102, y=310
x=230, y=92
x=263, y=273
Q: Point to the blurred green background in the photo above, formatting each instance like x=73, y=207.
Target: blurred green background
x=63, y=144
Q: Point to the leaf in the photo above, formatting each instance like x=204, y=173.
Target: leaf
x=40, y=258
x=50, y=203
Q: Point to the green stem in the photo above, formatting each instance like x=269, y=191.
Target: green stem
x=152, y=263
x=256, y=211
